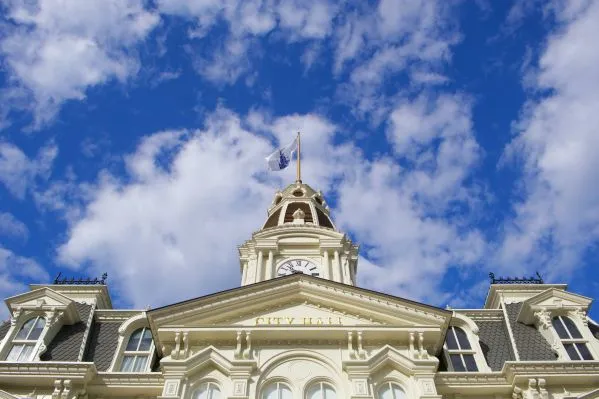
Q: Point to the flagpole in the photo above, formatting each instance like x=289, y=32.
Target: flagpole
x=299, y=162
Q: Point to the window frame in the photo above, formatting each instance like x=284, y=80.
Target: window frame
x=571, y=340
x=389, y=384
x=277, y=383
x=448, y=352
x=209, y=384
x=25, y=342
x=321, y=383
x=136, y=354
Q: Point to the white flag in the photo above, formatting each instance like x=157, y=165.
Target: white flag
x=281, y=158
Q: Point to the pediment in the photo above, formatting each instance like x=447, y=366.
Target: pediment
x=552, y=299
x=42, y=298
x=298, y=297
x=556, y=299
x=303, y=314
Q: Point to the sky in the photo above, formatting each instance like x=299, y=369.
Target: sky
x=450, y=138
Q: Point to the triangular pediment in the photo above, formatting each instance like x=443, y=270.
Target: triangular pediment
x=553, y=298
x=298, y=297
x=42, y=298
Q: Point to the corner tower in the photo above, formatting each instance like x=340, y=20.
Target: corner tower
x=298, y=237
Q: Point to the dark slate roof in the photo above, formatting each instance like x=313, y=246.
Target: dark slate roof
x=495, y=343
x=68, y=341
x=102, y=344
x=4, y=327
x=530, y=343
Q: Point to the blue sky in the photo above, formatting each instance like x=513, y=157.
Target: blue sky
x=451, y=139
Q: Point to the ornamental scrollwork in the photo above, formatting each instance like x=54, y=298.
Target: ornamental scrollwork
x=543, y=318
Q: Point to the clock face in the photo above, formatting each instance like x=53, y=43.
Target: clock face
x=297, y=266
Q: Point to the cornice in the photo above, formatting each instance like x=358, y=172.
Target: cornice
x=14, y=372
x=115, y=315
x=482, y=314
x=150, y=379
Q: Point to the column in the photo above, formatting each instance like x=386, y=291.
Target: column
x=259, y=267
x=336, y=267
x=269, y=265
x=244, y=273
x=326, y=265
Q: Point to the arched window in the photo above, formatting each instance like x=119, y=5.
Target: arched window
x=25, y=340
x=277, y=390
x=138, y=351
x=459, y=350
x=321, y=390
x=208, y=390
x=390, y=390
x=571, y=338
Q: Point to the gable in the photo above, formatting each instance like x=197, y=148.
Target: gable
x=297, y=297
x=302, y=314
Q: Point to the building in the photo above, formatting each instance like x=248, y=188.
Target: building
x=299, y=327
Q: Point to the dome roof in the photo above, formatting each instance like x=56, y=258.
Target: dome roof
x=299, y=204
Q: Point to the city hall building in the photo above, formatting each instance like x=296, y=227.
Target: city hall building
x=298, y=327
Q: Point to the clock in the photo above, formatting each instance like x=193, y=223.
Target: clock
x=297, y=266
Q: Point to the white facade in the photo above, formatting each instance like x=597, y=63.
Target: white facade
x=299, y=328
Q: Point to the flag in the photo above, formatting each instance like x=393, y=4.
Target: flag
x=281, y=158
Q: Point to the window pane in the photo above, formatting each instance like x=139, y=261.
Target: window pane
x=207, y=391
x=450, y=339
x=470, y=363
x=14, y=353
x=571, y=351
x=398, y=392
x=277, y=391
x=146, y=340
x=462, y=338
x=456, y=362
x=140, y=363
x=37, y=329
x=134, y=340
x=559, y=327
x=385, y=392
x=214, y=392
x=329, y=392
x=584, y=352
x=24, y=331
x=571, y=327
x=127, y=364
x=26, y=353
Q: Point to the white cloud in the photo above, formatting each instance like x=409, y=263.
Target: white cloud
x=189, y=199
x=13, y=227
x=15, y=270
x=191, y=196
x=406, y=218
x=246, y=22
x=18, y=171
x=558, y=141
x=57, y=49
x=375, y=45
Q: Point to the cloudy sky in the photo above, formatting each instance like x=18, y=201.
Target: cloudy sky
x=451, y=139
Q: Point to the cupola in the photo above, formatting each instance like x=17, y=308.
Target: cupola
x=299, y=204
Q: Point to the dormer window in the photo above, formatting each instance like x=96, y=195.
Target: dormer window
x=138, y=351
x=25, y=341
x=459, y=351
x=571, y=338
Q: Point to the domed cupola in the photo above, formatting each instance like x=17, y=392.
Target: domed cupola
x=299, y=204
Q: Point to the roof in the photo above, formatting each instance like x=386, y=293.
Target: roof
x=103, y=341
x=531, y=345
x=4, y=327
x=66, y=345
x=495, y=343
